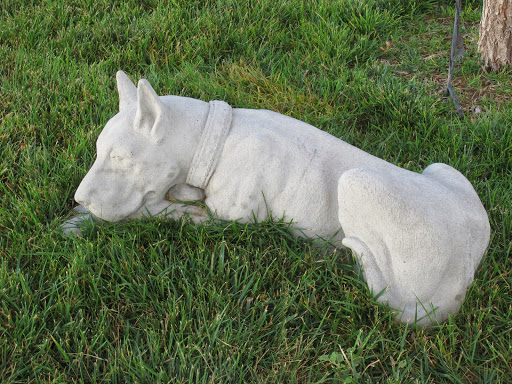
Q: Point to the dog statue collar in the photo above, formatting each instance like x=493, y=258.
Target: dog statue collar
x=210, y=144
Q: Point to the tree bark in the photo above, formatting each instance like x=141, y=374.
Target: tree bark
x=495, y=43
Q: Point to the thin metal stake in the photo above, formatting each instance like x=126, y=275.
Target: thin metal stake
x=456, y=40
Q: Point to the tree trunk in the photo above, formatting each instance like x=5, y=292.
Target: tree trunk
x=495, y=43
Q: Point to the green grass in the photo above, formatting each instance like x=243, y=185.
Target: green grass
x=162, y=301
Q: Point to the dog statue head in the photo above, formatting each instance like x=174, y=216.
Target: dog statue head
x=142, y=152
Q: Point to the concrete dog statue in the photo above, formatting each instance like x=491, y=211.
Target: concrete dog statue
x=417, y=237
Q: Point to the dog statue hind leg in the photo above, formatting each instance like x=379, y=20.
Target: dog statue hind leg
x=418, y=237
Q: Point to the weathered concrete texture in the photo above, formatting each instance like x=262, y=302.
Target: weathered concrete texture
x=418, y=237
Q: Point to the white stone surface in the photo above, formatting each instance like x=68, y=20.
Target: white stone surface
x=418, y=237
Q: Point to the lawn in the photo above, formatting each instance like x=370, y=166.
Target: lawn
x=160, y=301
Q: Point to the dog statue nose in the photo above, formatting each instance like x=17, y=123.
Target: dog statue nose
x=82, y=196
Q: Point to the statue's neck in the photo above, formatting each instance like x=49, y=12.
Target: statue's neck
x=208, y=146
x=188, y=119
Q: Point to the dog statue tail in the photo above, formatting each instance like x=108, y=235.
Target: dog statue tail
x=418, y=238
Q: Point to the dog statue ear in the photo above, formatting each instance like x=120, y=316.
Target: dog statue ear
x=150, y=110
x=126, y=89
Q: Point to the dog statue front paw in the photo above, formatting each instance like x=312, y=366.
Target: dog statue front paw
x=75, y=225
